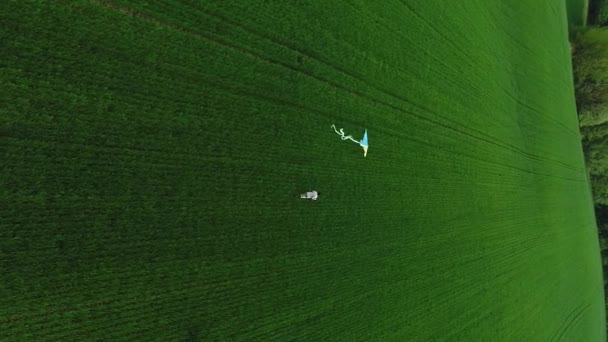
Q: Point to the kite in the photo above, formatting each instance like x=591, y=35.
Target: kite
x=363, y=142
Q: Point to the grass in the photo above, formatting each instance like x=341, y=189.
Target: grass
x=578, y=11
x=152, y=153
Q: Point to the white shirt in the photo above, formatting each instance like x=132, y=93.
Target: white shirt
x=313, y=195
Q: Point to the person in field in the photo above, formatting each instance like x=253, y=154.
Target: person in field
x=313, y=195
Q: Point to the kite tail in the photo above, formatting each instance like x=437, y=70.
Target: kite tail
x=342, y=134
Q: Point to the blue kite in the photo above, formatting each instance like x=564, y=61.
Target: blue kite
x=363, y=142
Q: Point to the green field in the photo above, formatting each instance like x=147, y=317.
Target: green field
x=577, y=11
x=152, y=153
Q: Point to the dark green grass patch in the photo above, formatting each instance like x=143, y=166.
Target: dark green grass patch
x=577, y=12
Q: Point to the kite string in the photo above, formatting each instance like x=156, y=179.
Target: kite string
x=342, y=134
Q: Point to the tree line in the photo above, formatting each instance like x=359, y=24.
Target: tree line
x=590, y=70
x=590, y=67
